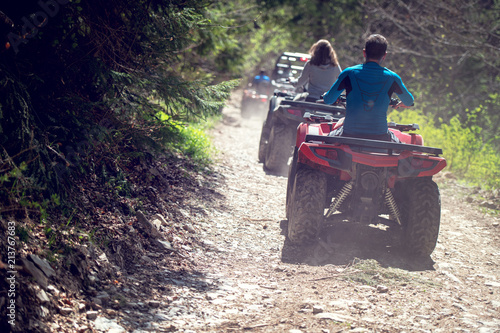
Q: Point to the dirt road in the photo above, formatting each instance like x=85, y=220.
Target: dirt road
x=356, y=281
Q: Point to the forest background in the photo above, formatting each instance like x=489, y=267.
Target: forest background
x=92, y=88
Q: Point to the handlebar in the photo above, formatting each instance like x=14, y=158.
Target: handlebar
x=396, y=104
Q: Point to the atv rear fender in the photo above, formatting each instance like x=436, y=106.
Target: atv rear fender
x=336, y=155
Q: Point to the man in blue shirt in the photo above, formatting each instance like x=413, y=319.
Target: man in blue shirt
x=261, y=82
x=369, y=88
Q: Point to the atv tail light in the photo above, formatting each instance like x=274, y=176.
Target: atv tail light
x=330, y=154
x=418, y=163
x=303, y=59
x=294, y=112
x=413, y=166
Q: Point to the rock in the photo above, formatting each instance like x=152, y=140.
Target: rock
x=341, y=318
x=53, y=290
x=163, y=244
x=154, y=304
x=148, y=227
x=161, y=218
x=102, y=298
x=452, y=277
x=318, y=309
x=188, y=228
x=42, y=296
x=65, y=311
x=382, y=289
x=146, y=259
x=460, y=306
x=43, y=265
x=157, y=224
x=103, y=259
x=31, y=269
x=492, y=284
x=44, y=312
x=91, y=315
x=489, y=205
x=107, y=325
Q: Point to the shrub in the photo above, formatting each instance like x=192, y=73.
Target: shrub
x=466, y=153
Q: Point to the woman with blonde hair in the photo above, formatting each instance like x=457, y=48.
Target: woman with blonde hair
x=320, y=72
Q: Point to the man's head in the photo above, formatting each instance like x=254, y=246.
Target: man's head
x=375, y=47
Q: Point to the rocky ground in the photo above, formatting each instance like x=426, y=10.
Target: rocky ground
x=218, y=261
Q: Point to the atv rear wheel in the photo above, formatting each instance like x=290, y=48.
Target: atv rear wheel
x=292, y=170
x=307, y=205
x=279, y=148
x=420, y=216
x=266, y=130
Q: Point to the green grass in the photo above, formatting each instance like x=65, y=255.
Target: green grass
x=190, y=138
x=369, y=272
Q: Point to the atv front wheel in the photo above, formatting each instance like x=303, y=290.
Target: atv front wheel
x=279, y=148
x=307, y=205
x=420, y=216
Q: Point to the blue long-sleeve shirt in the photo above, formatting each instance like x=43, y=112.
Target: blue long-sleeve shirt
x=369, y=88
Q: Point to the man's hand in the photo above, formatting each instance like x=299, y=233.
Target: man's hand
x=400, y=105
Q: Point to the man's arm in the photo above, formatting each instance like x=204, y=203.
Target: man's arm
x=333, y=94
x=404, y=95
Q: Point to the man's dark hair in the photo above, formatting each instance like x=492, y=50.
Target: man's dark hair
x=375, y=47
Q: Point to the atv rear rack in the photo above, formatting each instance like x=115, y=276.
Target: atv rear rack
x=315, y=106
x=390, y=146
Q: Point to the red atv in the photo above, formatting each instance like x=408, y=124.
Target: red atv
x=363, y=181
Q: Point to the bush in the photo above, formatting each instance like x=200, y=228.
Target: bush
x=466, y=153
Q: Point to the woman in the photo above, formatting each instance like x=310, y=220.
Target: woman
x=320, y=72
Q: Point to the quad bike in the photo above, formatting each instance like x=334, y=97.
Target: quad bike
x=253, y=103
x=363, y=180
x=286, y=112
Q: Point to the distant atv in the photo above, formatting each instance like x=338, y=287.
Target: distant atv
x=253, y=103
x=286, y=112
x=363, y=180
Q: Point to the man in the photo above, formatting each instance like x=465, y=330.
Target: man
x=261, y=82
x=369, y=88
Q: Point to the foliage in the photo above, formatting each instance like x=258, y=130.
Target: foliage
x=190, y=139
x=449, y=50
x=76, y=87
x=466, y=153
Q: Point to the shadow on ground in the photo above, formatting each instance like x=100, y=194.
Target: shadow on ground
x=341, y=242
